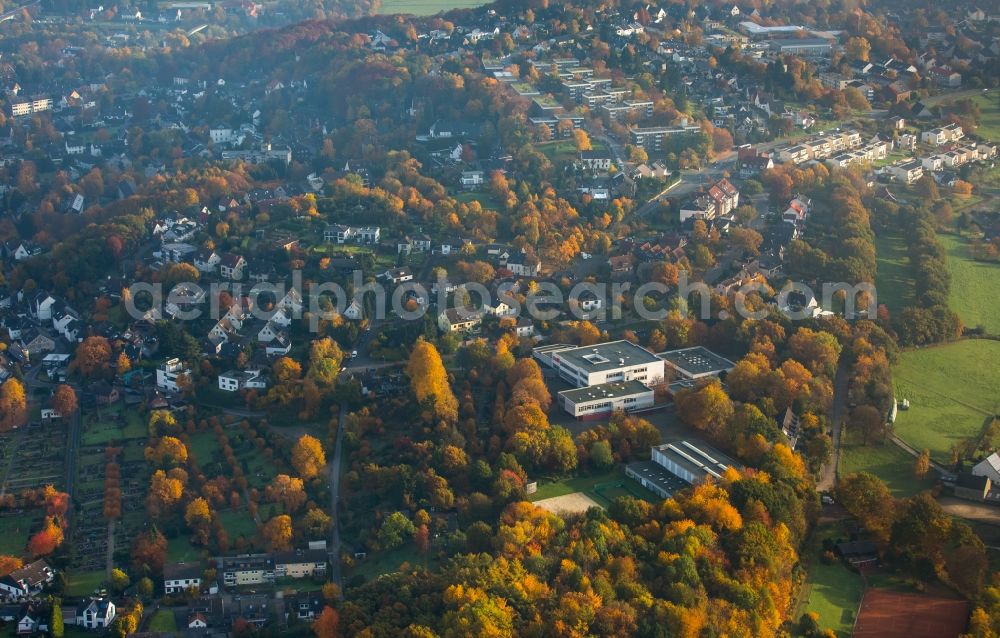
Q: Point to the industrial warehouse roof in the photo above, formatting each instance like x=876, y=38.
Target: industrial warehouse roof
x=613, y=390
x=606, y=356
x=699, y=459
x=696, y=362
x=657, y=475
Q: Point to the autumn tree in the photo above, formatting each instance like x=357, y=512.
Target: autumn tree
x=93, y=358
x=325, y=359
x=395, y=530
x=64, y=400
x=308, y=457
x=869, y=421
x=316, y=523
x=922, y=465
x=119, y=580
x=582, y=140
x=277, y=533
x=13, y=405
x=167, y=450
x=164, y=493
x=198, y=517
x=326, y=625
x=9, y=564
x=706, y=407
x=429, y=381
x=47, y=539
x=149, y=552
x=288, y=491
x=868, y=498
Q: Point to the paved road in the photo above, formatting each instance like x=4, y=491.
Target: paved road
x=334, y=468
x=983, y=512
x=912, y=451
x=828, y=478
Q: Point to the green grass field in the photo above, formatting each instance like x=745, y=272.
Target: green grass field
x=180, y=550
x=486, y=200
x=894, y=283
x=565, y=150
x=204, y=446
x=884, y=460
x=237, y=523
x=832, y=591
x=601, y=487
x=14, y=532
x=426, y=7
x=975, y=286
x=989, y=125
x=379, y=563
x=107, y=429
x=84, y=583
x=163, y=620
x=952, y=390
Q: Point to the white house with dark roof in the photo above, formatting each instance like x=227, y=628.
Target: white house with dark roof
x=96, y=613
x=179, y=577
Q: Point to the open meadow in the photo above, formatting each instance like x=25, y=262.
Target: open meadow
x=975, y=286
x=953, y=389
x=894, y=281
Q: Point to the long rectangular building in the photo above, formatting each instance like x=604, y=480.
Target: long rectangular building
x=598, y=401
x=676, y=465
x=696, y=362
x=615, y=361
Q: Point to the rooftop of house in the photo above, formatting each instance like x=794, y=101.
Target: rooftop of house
x=182, y=571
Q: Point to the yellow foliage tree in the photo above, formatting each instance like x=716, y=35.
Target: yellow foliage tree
x=307, y=456
x=429, y=381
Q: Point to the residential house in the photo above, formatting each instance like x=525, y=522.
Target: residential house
x=236, y=380
x=247, y=569
x=35, y=344
x=524, y=265
x=304, y=607
x=33, y=618
x=167, y=373
x=206, y=260
x=96, y=613
x=907, y=172
x=751, y=162
x=354, y=311
x=595, y=160
x=472, y=179
x=397, y=275
x=460, y=320
x=499, y=308
x=942, y=135
x=524, y=327
x=179, y=577
x=26, y=249
x=337, y=233
x=28, y=580
x=231, y=267
x=300, y=563
x=621, y=264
